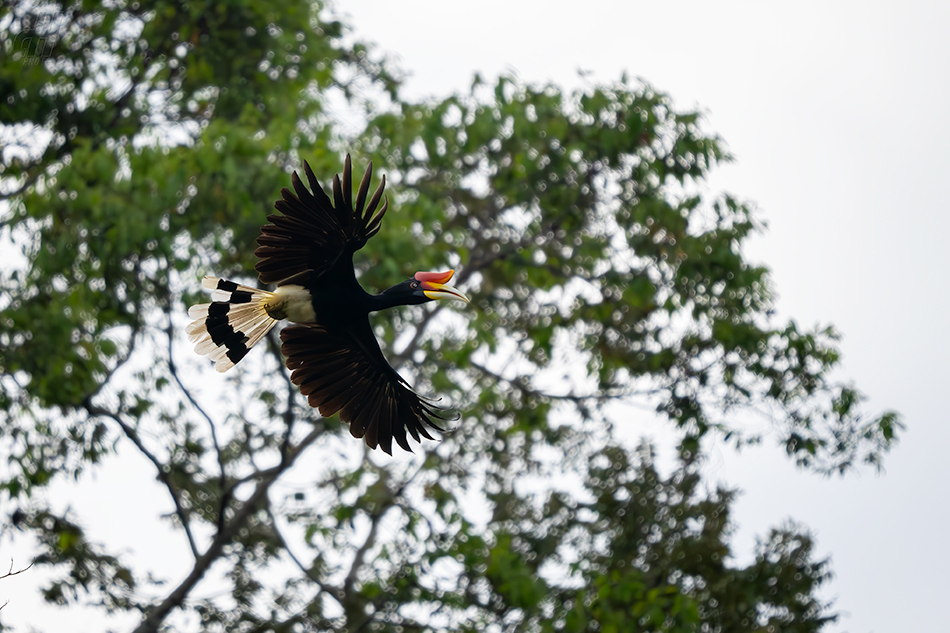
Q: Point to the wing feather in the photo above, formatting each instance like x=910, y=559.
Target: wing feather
x=337, y=375
x=312, y=231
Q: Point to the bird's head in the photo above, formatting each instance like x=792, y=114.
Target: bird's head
x=424, y=286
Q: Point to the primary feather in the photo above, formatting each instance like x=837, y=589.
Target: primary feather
x=334, y=358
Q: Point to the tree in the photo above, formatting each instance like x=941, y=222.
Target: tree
x=143, y=146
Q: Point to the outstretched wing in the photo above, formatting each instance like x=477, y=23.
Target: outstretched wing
x=311, y=232
x=339, y=373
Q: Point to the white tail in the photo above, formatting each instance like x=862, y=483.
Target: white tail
x=230, y=326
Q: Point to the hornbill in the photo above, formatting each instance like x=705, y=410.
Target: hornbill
x=335, y=360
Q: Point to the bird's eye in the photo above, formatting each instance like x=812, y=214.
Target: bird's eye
x=414, y=284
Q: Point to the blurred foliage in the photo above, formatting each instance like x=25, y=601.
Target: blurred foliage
x=141, y=146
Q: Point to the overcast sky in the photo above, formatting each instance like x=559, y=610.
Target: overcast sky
x=837, y=113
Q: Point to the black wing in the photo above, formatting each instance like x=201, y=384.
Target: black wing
x=346, y=372
x=310, y=234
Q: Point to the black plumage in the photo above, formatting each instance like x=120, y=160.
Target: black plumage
x=307, y=251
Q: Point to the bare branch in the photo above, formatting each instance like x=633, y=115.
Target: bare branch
x=289, y=418
x=10, y=572
x=521, y=385
x=406, y=354
x=243, y=512
x=382, y=506
x=133, y=435
x=337, y=594
x=173, y=370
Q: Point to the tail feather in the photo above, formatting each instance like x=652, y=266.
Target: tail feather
x=232, y=324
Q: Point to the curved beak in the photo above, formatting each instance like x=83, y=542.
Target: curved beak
x=435, y=286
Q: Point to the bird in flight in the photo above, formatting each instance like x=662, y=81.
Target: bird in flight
x=334, y=357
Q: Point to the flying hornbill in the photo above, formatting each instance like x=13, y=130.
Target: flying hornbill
x=335, y=360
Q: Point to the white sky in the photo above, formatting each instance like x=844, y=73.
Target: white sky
x=837, y=113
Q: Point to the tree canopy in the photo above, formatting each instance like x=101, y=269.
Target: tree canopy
x=142, y=147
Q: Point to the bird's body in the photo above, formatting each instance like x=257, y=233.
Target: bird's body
x=333, y=354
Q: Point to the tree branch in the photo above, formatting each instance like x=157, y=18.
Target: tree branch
x=133, y=435
x=289, y=417
x=382, y=508
x=222, y=474
x=337, y=594
x=157, y=615
x=528, y=390
x=10, y=572
x=406, y=354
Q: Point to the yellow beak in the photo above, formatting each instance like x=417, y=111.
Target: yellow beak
x=434, y=286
